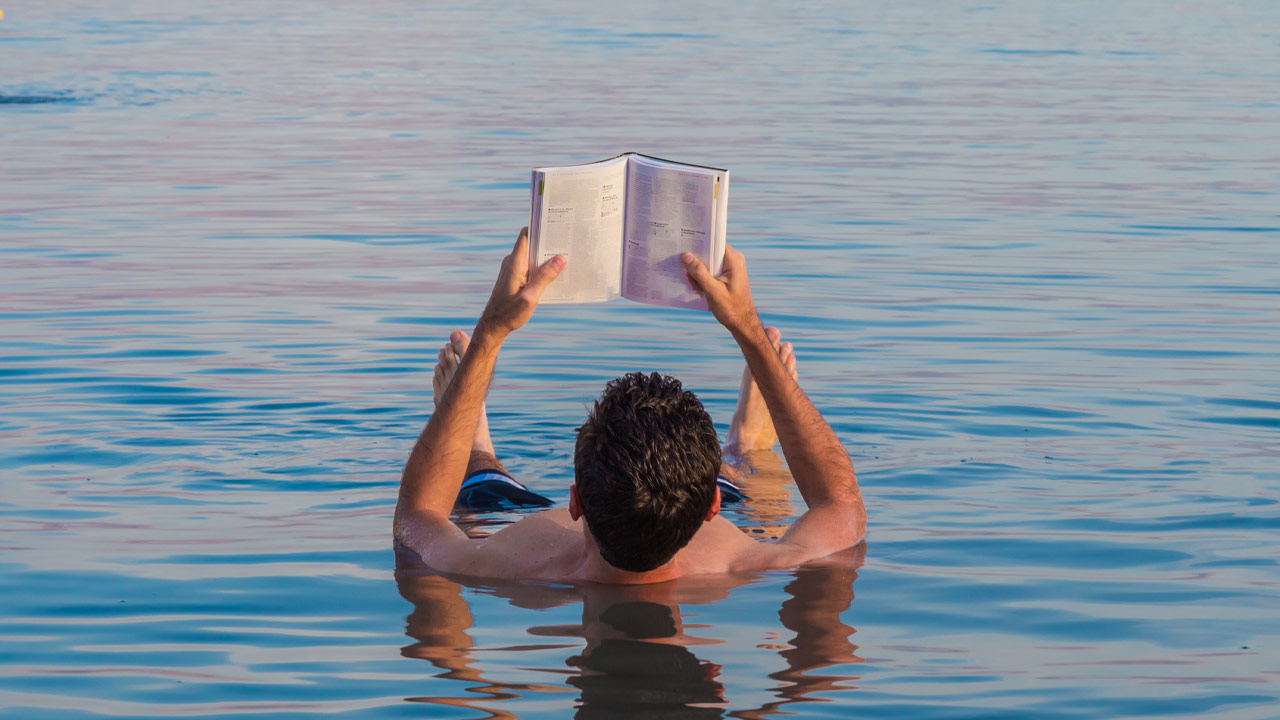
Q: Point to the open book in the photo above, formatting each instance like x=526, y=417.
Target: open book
x=623, y=223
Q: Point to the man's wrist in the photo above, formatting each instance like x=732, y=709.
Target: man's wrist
x=487, y=333
x=749, y=330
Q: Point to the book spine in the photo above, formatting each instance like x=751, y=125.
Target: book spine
x=535, y=212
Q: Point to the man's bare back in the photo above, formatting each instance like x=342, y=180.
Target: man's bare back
x=557, y=544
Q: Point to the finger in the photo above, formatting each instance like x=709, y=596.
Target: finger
x=444, y=356
x=522, y=241
x=543, y=276
x=790, y=365
x=733, y=260
x=698, y=272
x=774, y=336
x=517, y=263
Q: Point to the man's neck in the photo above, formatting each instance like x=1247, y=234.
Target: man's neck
x=596, y=569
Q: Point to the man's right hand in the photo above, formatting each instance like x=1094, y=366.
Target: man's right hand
x=517, y=290
x=729, y=295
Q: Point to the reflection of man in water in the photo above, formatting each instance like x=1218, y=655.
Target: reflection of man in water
x=639, y=657
x=630, y=667
x=644, y=504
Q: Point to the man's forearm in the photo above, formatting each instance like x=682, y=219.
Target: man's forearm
x=818, y=461
x=438, y=462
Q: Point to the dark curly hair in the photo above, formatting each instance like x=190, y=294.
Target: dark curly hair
x=645, y=466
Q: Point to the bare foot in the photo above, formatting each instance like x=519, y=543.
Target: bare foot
x=752, y=428
x=449, y=357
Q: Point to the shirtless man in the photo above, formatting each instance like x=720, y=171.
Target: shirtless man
x=644, y=504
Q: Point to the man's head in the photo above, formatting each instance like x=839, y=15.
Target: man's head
x=645, y=469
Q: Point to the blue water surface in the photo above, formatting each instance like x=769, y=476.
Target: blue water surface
x=1026, y=252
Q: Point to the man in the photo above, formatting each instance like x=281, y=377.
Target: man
x=644, y=504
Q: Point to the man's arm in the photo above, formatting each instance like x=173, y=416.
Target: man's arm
x=820, y=464
x=437, y=465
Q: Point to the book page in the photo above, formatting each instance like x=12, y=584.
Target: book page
x=671, y=209
x=578, y=213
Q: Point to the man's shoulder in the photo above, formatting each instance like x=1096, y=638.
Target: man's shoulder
x=551, y=523
x=538, y=545
x=721, y=546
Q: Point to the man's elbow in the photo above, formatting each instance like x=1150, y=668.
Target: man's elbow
x=421, y=528
x=847, y=511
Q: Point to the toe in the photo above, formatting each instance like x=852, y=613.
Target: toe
x=787, y=354
x=460, y=341
x=773, y=334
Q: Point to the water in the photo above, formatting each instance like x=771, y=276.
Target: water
x=1026, y=252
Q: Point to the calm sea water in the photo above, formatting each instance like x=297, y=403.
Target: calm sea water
x=1027, y=253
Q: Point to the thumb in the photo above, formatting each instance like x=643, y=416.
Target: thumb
x=697, y=271
x=545, y=273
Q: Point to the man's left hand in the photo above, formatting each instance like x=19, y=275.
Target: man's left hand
x=516, y=292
